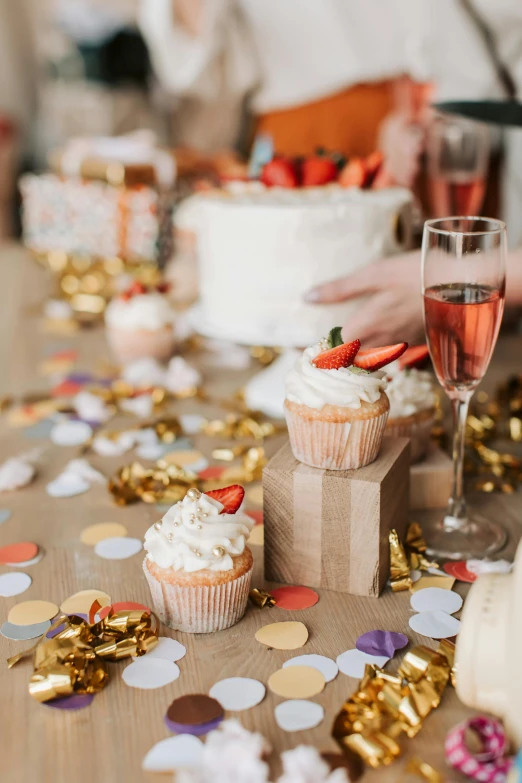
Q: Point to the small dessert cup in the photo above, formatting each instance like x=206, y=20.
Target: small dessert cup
x=417, y=427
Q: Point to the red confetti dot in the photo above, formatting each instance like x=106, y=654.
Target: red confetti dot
x=459, y=571
x=18, y=553
x=295, y=597
x=211, y=473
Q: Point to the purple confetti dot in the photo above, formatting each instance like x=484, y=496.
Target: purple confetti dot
x=381, y=643
x=75, y=702
x=196, y=730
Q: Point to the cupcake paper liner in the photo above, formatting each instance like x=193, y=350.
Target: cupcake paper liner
x=200, y=609
x=418, y=431
x=335, y=445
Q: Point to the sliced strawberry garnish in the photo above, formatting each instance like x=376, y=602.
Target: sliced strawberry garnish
x=318, y=170
x=354, y=174
x=280, y=172
x=137, y=288
x=341, y=356
x=415, y=356
x=372, y=164
x=231, y=497
x=376, y=358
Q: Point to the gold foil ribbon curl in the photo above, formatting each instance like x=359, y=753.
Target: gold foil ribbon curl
x=404, y=558
x=262, y=598
x=163, y=483
x=386, y=706
x=75, y=659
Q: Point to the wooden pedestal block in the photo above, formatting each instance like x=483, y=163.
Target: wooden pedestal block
x=327, y=528
x=430, y=480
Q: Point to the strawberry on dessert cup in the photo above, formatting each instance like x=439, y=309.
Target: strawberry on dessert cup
x=412, y=400
x=335, y=407
x=139, y=324
x=198, y=566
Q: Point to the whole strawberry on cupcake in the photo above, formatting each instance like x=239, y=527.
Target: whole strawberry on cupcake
x=411, y=392
x=336, y=406
x=198, y=565
x=139, y=323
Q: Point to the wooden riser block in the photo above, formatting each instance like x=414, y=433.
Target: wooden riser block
x=430, y=481
x=327, y=528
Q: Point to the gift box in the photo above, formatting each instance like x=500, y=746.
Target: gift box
x=108, y=197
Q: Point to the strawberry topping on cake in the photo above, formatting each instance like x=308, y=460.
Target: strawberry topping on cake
x=375, y=358
x=416, y=356
x=341, y=354
x=230, y=497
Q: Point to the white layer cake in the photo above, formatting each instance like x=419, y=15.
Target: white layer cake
x=261, y=251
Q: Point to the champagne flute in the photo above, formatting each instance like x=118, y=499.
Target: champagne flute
x=463, y=284
x=458, y=157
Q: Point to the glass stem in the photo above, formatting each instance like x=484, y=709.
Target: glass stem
x=457, y=513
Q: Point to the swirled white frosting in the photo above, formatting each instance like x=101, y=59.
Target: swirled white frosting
x=187, y=537
x=143, y=311
x=346, y=387
x=409, y=392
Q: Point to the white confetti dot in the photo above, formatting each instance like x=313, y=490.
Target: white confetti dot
x=174, y=753
x=326, y=666
x=298, y=715
x=71, y=433
x=436, y=598
x=353, y=662
x=118, y=548
x=14, y=583
x=238, y=693
x=435, y=624
x=148, y=673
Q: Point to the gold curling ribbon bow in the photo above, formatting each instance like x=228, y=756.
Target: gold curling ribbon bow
x=75, y=660
x=410, y=556
x=385, y=705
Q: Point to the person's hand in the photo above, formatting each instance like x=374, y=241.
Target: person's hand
x=392, y=312
x=402, y=142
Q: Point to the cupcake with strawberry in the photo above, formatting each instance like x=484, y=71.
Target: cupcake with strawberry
x=336, y=406
x=139, y=323
x=411, y=392
x=198, y=566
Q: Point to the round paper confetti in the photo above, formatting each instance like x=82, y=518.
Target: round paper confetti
x=148, y=673
x=196, y=731
x=257, y=536
x=94, y=533
x=18, y=553
x=24, y=563
x=283, y=636
x=294, y=597
x=296, y=682
x=298, y=715
x=5, y=514
x=71, y=433
x=174, y=753
x=75, y=702
x=326, y=666
x=255, y=495
x=21, y=633
x=459, y=570
x=81, y=602
x=194, y=709
x=257, y=516
x=169, y=649
x=435, y=624
x=32, y=612
x=67, y=485
x=123, y=606
x=415, y=575
x=191, y=422
x=443, y=582
x=436, y=598
x=14, y=583
x=118, y=548
x=353, y=662
x=383, y=643
x=183, y=458
x=238, y=693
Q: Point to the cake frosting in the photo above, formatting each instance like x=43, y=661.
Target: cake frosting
x=144, y=311
x=409, y=392
x=346, y=387
x=261, y=250
x=193, y=535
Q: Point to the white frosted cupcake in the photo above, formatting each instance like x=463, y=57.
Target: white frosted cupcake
x=412, y=405
x=336, y=407
x=198, y=565
x=139, y=324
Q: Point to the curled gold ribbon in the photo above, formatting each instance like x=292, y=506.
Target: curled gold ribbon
x=75, y=659
x=411, y=555
x=386, y=706
x=261, y=598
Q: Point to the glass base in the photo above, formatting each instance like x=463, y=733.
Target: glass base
x=453, y=539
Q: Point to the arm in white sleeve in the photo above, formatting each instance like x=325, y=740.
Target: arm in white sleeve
x=221, y=58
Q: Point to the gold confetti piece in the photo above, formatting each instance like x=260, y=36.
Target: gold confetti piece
x=385, y=706
x=163, y=483
x=257, y=536
x=261, y=598
x=283, y=636
x=74, y=660
x=32, y=612
x=182, y=458
x=297, y=682
x=264, y=355
x=5, y=403
x=444, y=582
x=94, y=533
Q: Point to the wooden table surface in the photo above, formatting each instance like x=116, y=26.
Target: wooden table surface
x=107, y=741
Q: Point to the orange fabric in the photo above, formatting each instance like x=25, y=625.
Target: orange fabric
x=347, y=122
